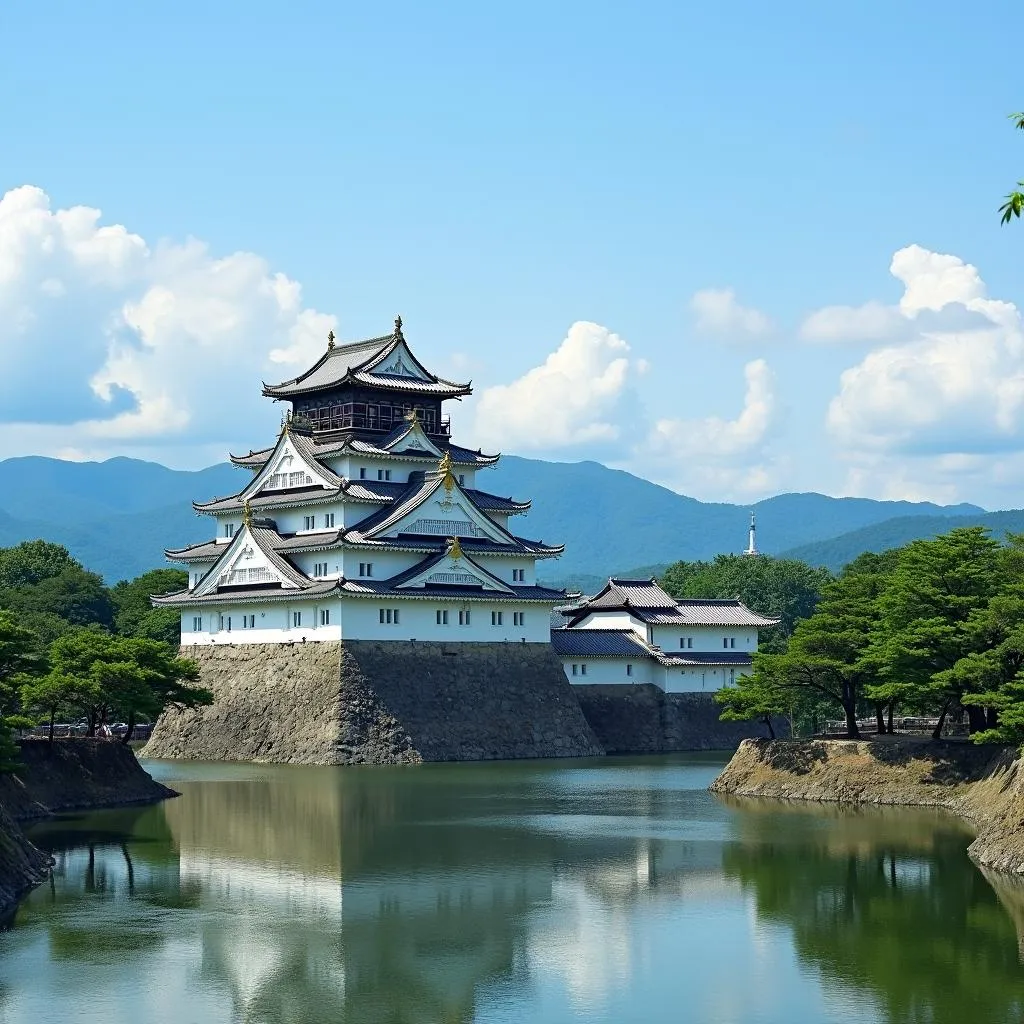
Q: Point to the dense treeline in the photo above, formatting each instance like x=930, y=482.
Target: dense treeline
x=72, y=647
x=935, y=628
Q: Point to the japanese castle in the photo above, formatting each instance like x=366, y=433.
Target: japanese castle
x=363, y=521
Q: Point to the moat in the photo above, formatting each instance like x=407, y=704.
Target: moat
x=607, y=890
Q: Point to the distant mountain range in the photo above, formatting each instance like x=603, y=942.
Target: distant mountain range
x=118, y=516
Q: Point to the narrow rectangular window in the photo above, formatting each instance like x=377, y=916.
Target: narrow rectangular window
x=689, y=642
x=229, y=623
x=296, y=618
x=574, y=669
x=197, y=623
x=362, y=568
x=329, y=519
x=325, y=616
x=309, y=521
x=629, y=670
x=362, y=473
x=682, y=643
x=732, y=641
x=396, y=616
x=229, y=529
x=464, y=617
x=462, y=479
x=369, y=568
x=252, y=621
x=389, y=616
x=442, y=616
x=382, y=616
x=387, y=474
x=583, y=669
x=380, y=474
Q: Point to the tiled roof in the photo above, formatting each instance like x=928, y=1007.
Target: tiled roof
x=359, y=446
x=712, y=612
x=735, y=658
x=383, y=588
x=246, y=595
x=599, y=643
x=385, y=491
x=355, y=362
x=646, y=600
x=270, y=499
x=635, y=593
x=326, y=539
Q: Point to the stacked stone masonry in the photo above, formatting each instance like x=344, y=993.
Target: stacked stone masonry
x=371, y=702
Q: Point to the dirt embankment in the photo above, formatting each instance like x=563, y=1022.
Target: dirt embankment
x=983, y=784
x=69, y=775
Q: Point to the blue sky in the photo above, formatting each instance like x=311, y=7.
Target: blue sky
x=498, y=176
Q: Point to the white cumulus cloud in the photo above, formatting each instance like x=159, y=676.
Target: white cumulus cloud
x=957, y=386
x=143, y=345
x=718, y=311
x=574, y=397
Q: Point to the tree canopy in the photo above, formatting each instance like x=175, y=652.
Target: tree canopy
x=931, y=628
x=777, y=587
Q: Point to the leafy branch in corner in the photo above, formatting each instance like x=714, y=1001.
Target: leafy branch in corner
x=1015, y=200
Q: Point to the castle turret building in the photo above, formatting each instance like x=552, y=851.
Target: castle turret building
x=364, y=521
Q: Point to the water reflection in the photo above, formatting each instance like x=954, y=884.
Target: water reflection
x=601, y=891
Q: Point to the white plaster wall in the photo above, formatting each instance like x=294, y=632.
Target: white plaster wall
x=418, y=621
x=273, y=623
x=613, y=670
x=706, y=638
x=700, y=679
x=614, y=620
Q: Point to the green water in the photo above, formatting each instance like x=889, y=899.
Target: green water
x=609, y=891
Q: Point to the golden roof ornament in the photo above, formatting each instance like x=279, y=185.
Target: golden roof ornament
x=330, y=340
x=454, y=548
x=398, y=329
x=246, y=513
x=445, y=467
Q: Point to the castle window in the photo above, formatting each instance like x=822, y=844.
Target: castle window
x=497, y=618
x=685, y=642
x=462, y=479
x=362, y=472
x=229, y=529
x=296, y=619
x=629, y=670
x=320, y=569
x=325, y=616
x=575, y=669
x=519, y=618
x=197, y=623
x=464, y=617
x=248, y=621
x=518, y=575
x=442, y=616
x=366, y=568
x=583, y=669
x=229, y=623
x=728, y=641
x=329, y=519
x=389, y=616
x=308, y=522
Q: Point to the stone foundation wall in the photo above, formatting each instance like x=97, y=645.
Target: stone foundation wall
x=642, y=719
x=371, y=702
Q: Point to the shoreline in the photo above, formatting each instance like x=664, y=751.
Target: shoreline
x=984, y=785
x=66, y=776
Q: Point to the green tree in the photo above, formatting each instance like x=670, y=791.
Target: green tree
x=134, y=614
x=127, y=676
x=782, y=588
x=927, y=610
x=75, y=595
x=1015, y=200
x=825, y=661
x=20, y=660
x=28, y=563
x=49, y=696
